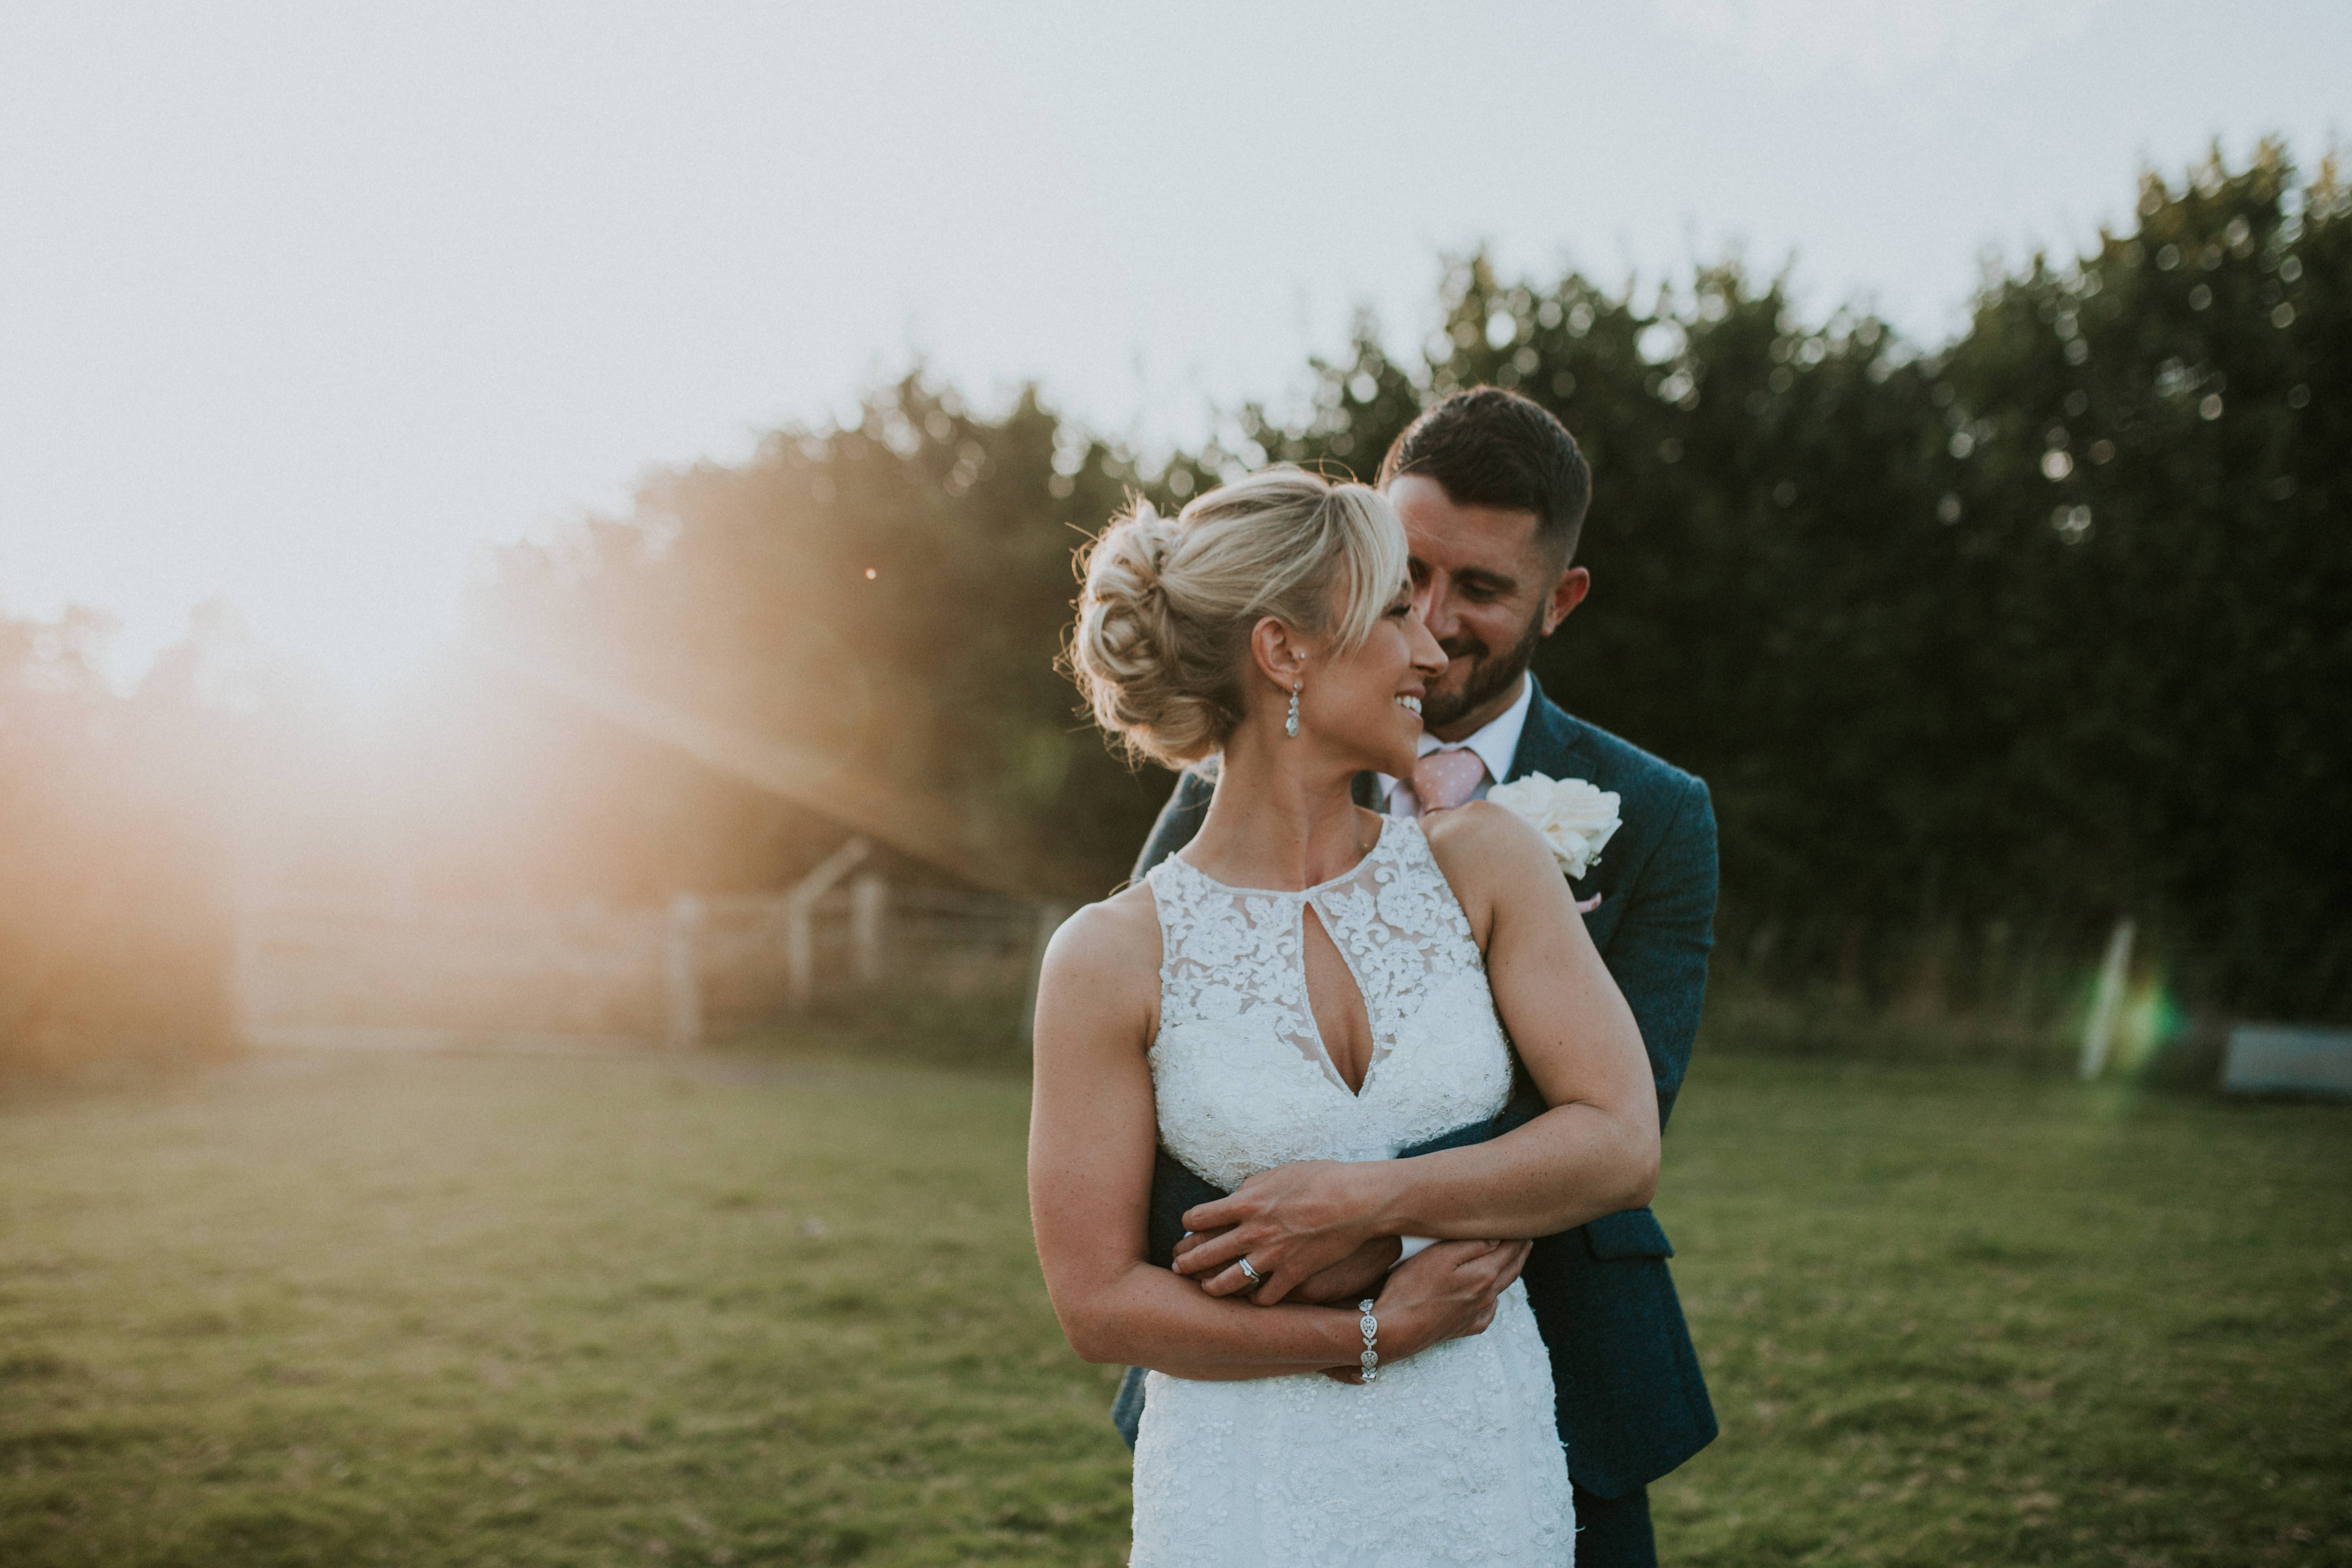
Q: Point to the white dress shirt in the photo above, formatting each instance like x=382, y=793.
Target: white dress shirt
x=1497, y=743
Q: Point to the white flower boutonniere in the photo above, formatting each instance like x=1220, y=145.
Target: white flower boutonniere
x=1575, y=818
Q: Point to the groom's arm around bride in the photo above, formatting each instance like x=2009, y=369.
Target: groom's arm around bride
x=1492, y=492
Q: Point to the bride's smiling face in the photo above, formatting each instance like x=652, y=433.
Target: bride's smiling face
x=1365, y=704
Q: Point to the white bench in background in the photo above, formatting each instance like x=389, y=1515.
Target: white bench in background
x=2282, y=1058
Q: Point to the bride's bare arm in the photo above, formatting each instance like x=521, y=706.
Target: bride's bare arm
x=1595, y=1152
x=1092, y=1133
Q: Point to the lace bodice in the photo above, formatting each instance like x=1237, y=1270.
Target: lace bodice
x=1453, y=1457
x=1242, y=1076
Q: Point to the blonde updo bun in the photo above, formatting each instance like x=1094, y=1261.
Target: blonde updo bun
x=1164, y=618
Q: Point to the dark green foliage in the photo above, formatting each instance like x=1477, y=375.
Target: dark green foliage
x=1962, y=702
x=2186, y=711
x=1979, y=650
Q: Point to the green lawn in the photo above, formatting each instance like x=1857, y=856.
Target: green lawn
x=755, y=1308
x=1954, y=1316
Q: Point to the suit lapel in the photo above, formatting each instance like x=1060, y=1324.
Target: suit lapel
x=1552, y=744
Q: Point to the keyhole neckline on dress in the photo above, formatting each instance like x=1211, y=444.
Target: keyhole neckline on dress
x=1307, y=998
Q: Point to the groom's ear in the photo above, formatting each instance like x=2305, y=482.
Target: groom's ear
x=1566, y=594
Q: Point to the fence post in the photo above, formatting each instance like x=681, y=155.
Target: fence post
x=800, y=915
x=245, y=967
x=1050, y=916
x=800, y=952
x=2107, y=1001
x=681, y=979
x=869, y=902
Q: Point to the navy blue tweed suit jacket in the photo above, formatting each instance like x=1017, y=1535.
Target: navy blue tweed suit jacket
x=1632, y=1402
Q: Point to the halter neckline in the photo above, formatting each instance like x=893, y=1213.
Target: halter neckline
x=1378, y=839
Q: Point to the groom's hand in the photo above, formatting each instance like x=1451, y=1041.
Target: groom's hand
x=1345, y=1282
x=1293, y=1222
x=1354, y=1276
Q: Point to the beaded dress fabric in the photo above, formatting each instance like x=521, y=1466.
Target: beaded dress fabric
x=1451, y=1455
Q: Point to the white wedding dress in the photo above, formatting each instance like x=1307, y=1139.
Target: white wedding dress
x=1450, y=1456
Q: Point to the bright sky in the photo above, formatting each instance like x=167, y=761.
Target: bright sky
x=305, y=305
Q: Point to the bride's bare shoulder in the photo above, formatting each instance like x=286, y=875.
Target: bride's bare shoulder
x=1479, y=831
x=1098, y=990
x=1488, y=852
x=1114, y=943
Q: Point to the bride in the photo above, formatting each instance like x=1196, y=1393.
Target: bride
x=1308, y=982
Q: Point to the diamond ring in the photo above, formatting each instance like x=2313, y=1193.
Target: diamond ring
x=1254, y=1277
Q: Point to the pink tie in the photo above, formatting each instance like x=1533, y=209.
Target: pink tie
x=1443, y=780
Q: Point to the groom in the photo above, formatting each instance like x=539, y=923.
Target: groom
x=1492, y=491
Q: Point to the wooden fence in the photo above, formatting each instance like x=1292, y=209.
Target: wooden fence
x=321, y=971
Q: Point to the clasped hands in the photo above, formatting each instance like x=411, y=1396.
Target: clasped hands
x=1311, y=1230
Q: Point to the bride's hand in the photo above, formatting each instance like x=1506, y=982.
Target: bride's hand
x=1445, y=1292
x=1292, y=1222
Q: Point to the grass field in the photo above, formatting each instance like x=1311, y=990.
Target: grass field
x=760, y=1308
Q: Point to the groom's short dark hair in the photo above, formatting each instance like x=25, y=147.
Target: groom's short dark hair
x=1487, y=446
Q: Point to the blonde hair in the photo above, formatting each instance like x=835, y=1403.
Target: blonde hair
x=1164, y=620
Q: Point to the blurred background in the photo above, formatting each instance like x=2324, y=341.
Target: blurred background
x=548, y=527
x=482, y=460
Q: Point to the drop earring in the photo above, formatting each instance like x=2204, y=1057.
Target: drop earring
x=1290, y=723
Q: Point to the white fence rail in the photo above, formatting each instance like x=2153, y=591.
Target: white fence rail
x=322, y=970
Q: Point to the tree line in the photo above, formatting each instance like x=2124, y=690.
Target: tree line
x=1980, y=646
x=115, y=937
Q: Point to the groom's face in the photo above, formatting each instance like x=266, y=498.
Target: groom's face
x=1488, y=591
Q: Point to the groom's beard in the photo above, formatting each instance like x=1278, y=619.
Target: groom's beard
x=1490, y=675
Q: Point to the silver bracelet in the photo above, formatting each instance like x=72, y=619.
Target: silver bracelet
x=1371, y=1331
